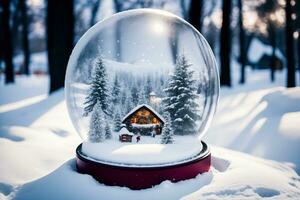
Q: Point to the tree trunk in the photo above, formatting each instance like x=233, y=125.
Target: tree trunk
x=25, y=39
x=225, y=50
x=7, y=42
x=211, y=39
x=299, y=54
x=272, y=36
x=289, y=46
x=297, y=21
x=60, y=34
x=1, y=35
x=195, y=12
x=183, y=10
x=242, y=43
x=94, y=13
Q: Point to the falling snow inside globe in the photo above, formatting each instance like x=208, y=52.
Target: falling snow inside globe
x=141, y=90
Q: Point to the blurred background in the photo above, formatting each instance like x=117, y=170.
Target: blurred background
x=257, y=47
x=37, y=36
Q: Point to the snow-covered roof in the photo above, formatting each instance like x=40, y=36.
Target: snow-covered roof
x=124, y=131
x=257, y=49
x=152, y=93
x=144, y=125
x=148, y=107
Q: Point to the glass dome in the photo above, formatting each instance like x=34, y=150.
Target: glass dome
x=142, y=76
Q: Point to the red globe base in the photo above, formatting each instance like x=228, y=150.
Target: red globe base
x=142, y=177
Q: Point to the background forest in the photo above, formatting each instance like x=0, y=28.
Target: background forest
x=254, y=136
x=37, y=36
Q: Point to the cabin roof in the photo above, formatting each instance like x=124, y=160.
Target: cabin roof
x=143, y=106
x=152, y=93
x=258, y=49
x=124, y=131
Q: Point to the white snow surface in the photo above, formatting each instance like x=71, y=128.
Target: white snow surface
x=38, y=141
x=263, y=122
x=147, y=152
x=231, y=177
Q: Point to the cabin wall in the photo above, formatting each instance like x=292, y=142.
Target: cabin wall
x=138, y=121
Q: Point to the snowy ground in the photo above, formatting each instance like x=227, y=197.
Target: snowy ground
x=230, y=178
x=37, y=144
x=147, y=152
x=260, y=118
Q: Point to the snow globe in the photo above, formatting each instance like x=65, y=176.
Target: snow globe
x=141, y=90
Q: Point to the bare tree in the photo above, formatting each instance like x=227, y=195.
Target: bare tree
x=6, y=42
x=242, y=43
x=289, y=46
x=94, y=11
x=297, y=25
x=272, y=35
x=225, y=50
x=60, y=34
x=25, y=40
x=184, y=10
x=1, y=37
x=211, y=33
x=268, y=14
x=195, y=12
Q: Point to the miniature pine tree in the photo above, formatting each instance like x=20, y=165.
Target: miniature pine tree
x=148, y=88
x=128, y=105
x=181, y=98
x=141, y=98
x=96, y=129
x=167, y=131
x=99, y=89
x=134, y=95
x=116, y=91
x=108, y=134
x=117, y=122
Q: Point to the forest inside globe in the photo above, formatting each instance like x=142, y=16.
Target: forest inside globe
x=142, y=77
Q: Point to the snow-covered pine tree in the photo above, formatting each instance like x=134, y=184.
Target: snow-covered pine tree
x=142, y=98
x=181, y=98
x=96, y=128
x=128, y=105
x=117, y=122
x=99, y=89
x=123, y=96
x=148, y=87
x=116, y=91
x=167, y=131
x=108, y=134
x=134, y=95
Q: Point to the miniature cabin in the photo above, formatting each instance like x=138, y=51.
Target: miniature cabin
x=125, y=135
x=144, y=120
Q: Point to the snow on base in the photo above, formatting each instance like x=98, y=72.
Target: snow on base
x=147, y=152
x=233, y=176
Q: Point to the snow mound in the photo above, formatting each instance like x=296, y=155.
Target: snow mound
x=264, y=123
x=245, y=177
